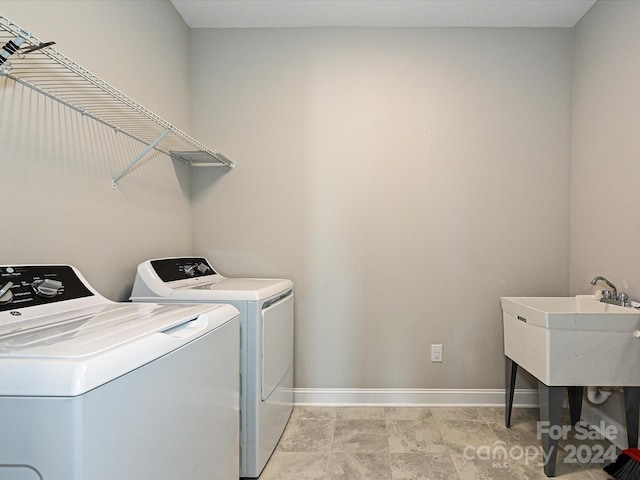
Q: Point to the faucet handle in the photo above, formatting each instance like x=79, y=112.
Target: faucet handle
x=606, y=294
x=623, y=297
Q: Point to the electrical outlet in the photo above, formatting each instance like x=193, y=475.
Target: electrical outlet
x=436, y=353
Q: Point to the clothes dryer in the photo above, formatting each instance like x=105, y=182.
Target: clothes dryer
x=266, y=319
x=94, y=389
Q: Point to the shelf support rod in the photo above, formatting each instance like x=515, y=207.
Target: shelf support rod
x=151, y=146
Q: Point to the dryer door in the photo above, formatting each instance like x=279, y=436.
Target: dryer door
x=277, y=343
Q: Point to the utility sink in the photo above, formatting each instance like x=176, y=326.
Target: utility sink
x=573, y=340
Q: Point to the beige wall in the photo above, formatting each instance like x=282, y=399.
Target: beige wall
x=605, y=193
x=405, y=179
x=58, y=205
x=605, y=231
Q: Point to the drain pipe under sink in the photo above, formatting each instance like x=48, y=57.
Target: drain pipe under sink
x=598, y=395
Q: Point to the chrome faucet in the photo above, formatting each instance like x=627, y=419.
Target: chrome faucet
x=611, y=285
x=611, y=296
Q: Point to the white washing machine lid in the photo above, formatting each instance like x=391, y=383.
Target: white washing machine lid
x=68, y=339
x=69, y=353
x=255, y=289
x=168, y=279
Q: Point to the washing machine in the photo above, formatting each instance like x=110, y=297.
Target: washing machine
x=266, y=320
x=92, y=389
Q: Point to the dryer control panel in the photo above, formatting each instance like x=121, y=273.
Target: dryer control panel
x=28, y=285
x=172, y=269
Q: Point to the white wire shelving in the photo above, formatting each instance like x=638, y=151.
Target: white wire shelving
x=36, y=65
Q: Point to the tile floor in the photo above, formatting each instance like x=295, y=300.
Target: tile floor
x=416, y=443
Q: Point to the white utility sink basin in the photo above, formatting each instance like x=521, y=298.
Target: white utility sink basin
x=573, y=340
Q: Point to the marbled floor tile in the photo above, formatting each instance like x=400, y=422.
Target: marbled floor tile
x=415, y=436
x=307, y=436
x=597, y=473
x=360, y=436
x=423, y=466
x=360, y=413
x=455, y=413
x=295, y=466
x=378, y=443
x=526, y=414
x=535, y=471
x=497, y=414
x=576, y=476
x=313, y=413
x=464, y=435
x=359, y=466
x=493, y=469
x=407, y=413
x=519, y=434
x=491, y=414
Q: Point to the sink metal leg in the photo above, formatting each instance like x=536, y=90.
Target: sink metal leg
x=510, y=386
x=551, y=399
x=632, y=410
x=575, y=403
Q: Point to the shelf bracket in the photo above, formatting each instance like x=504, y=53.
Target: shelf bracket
x=151, y=146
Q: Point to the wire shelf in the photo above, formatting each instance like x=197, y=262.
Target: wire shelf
x=36, y=65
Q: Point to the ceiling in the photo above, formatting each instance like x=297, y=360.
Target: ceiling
x=381, y=13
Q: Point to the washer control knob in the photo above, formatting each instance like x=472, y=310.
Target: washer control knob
x=190, y=270
x=5, y=293
x=202, y=267
x=47, y=288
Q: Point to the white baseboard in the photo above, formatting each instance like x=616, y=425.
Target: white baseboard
x=594, y=417
x=433, y=397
